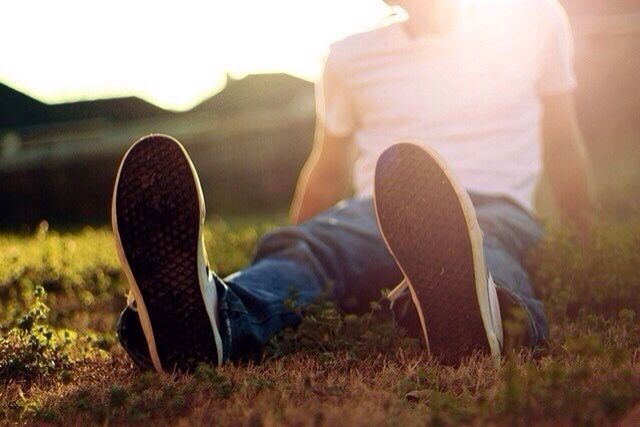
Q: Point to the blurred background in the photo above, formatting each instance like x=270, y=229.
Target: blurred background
x=79, y=82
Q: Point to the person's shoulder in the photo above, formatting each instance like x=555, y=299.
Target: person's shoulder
x=539, y=6
x=544, y=9
x=541, y=12
x=550, y=14
x=553, y=10
x=361, y=43
x=363, y=40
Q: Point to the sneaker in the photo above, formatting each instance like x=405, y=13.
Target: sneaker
x=131, y=336
x=430, y=227
x=157, y=215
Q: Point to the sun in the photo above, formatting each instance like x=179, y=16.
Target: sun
x=173, y=54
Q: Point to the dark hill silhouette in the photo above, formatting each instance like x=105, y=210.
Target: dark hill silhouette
x=112, y=109
x=18, y=109
x=256, y=92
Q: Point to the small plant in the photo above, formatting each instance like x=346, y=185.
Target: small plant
x=218, y=382
x=602, y=275
x=32, y=348
x=326, y=331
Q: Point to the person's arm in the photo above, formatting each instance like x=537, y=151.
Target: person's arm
x=326, y=176
x=565, y=160
x=564, y=155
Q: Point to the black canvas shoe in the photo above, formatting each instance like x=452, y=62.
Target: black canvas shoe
x=157, y=215
x=430, y=227
x=131, y=336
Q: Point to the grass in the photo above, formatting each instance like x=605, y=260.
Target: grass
x=60, y=294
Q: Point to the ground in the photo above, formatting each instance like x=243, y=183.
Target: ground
x=60, y=363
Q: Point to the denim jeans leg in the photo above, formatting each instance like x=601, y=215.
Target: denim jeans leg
x=339, y=253
x=509, y=234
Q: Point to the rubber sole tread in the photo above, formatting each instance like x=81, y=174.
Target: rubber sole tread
x=422, y=220
x=158, y=219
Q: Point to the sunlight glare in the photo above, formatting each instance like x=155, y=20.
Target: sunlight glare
x=173, y=54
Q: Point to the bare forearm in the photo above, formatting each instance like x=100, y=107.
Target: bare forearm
x=565, y=159
x=317, y=190
x=569, y=174
x=325, y=178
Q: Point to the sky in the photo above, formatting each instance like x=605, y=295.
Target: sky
x=171, y=53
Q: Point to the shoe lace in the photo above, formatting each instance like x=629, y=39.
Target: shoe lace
x=131, y=302
x=398, y=291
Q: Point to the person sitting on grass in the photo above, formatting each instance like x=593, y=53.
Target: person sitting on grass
x=442, y=122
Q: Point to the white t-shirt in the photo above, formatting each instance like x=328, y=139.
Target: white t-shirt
x=474, y=94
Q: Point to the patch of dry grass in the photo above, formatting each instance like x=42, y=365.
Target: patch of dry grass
x=590, y=374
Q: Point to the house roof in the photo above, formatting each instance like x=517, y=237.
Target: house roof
x=256, y=92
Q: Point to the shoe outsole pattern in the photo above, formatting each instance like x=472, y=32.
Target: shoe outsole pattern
x=424, y=226
x=158, y=217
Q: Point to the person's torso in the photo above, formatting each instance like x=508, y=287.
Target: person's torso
x=470, y=94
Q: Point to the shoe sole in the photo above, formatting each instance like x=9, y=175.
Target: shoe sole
x=157, y=217
x=429, y=225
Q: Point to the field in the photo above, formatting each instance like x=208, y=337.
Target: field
x=61, y=292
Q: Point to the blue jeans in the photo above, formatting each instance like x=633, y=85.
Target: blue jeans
x=340, y=253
